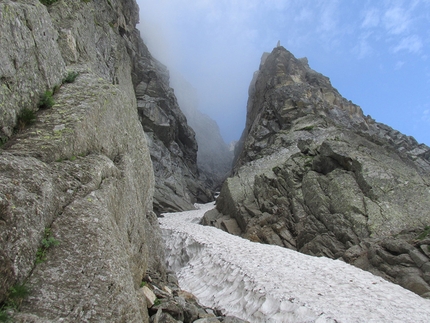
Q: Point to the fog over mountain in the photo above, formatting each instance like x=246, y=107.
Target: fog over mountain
x=375, y=53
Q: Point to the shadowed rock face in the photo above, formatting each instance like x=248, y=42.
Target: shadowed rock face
x=315, y=175
x=82, y=173
x=172, y=142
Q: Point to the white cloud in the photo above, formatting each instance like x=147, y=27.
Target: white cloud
x=426, y=116
x=371, y=18
x=363, y=48
x=329, y=17
x=396, y=20
x=412, y=44
x=399, y=65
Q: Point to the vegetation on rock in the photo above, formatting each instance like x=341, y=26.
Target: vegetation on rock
x=71, y=77
x=47, y=242
x=46, y=100
x=48, y=2
x=15, y=296
x=26, y=118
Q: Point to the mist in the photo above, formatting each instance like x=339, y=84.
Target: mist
x=366, y=49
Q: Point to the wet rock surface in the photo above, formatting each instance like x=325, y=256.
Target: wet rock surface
x=314, y=174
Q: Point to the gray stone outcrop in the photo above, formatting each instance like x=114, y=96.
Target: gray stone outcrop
x=313, y=174
x=171, y=140
x=76, y=186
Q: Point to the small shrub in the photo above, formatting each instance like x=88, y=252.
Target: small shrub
x=46, y=100
x=56, y=89
x=425, y=233
x=4, y=317
x=308, y=128
x=26, y=118
x=3, y=140
x=157, y=302
x=15, y=296
x=143, y=284
x=71, y=76
x=47, y=242
x=48, y=2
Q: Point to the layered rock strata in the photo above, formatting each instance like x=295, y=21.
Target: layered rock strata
x=315, y=175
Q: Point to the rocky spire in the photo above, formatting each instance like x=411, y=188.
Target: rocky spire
x=314, y=174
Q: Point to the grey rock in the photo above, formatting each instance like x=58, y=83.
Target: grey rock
x=83, y=170
x=313, y=174
x=172, y=142
x=171, y=307
x=163, y=318
x=233, y=319
x=29, y=52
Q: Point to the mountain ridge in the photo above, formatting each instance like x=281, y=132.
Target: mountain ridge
x=315, y=175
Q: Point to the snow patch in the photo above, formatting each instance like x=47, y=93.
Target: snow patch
x=265, y=283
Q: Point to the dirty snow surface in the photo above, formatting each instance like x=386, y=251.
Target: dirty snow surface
x=264, y=283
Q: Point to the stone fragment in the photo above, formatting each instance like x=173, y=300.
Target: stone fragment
x=418, y=257
x=163, y=318
x=233, y=319
x=426, y=249
x=149, y=296
x=231, y=226
x=416, y=284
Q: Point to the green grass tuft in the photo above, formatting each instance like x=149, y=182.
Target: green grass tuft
x=26, y=118
x=46, y=100
x=71, y=77
x=425, y=233
x=14, y=298
x=4, y=317
x=48, y=2
x=47, y=242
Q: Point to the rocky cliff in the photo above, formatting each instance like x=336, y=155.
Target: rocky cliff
x=172, y=142
x=214, y=158
x=77, y=227
x=313, y=174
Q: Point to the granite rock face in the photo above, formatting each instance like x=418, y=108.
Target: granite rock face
x=315, y=175
x=172, y=141
x=214, y=158
x=76, y=186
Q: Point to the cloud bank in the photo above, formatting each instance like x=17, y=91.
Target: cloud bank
x=365, y=47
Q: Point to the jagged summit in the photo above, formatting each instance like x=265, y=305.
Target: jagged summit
x=314, y=174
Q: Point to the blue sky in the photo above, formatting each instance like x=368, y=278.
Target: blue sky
x=376, y=53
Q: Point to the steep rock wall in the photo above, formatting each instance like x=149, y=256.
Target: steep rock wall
x=315, y=175
x=81, y=174
x=172, y=141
